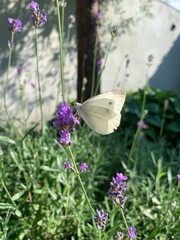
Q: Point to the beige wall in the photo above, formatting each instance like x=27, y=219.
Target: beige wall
x=144, y=32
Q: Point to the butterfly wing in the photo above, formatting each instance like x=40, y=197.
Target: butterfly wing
x=102, y=112
x=112, y=100
x=101, y=120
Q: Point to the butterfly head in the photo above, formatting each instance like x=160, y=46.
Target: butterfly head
x=78, y=107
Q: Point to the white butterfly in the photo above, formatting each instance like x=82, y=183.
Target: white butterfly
x=102, y=112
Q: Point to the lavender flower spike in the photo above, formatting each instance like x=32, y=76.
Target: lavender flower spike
x=37, y=17
x=15, y=25
x=68, y=165
x=64, y=138
x=84, y=167
x=132, y=231
x=117, y=188
x=142, y=124
x=65, y=122
x=100, y=219
x=119, y=236
x=19, y=70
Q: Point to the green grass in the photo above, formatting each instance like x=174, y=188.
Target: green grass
x=39, y=199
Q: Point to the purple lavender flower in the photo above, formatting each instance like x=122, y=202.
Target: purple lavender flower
x=120, y=177
x=142, y=124
x=178, y=176
x=37, y=17
x=117, y=188
x=72, y=19
x=99, y=62
x=83, y=167
x=33, y=85
x=132, y=231
x=34, y=6
x=119, y=236
x=98, y=16
x=64, y=138
x=65, y=122
x=65, y=118
x=15, y=25
x=68, y=165
x=19, y=70
x=100, y=219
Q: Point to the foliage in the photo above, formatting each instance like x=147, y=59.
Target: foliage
x=163, y=113
x=47, y=203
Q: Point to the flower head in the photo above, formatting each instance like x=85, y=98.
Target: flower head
x=72, y=19
x=15, y=25
x=100, y=219
x=64, y=138
x=132, y=231
x=38, y=17
x=83, y=167
x=142, y=124
x=119, y=236
x=114, y=32
x=19, y=70
x=33, y=85
x=68, y=165
x=98, y=16
x=65, y=122
x=65, y=118
x=34, y=6
x=117, y=188
x=63, y=3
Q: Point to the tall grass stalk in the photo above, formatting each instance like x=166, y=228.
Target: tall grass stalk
x=38, y=78
x=61, y=52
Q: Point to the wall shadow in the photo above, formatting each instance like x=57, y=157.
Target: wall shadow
x=167, y=76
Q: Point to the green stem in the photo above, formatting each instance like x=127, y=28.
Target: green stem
x=22, y=107
x=124, y=218
x=143, y=113
x=61, y=53
x=8, y=194
x=104, y=65
x=94, y=67
x=163, y=118
x=80, y=181
x=7, y=81
x=39, y=86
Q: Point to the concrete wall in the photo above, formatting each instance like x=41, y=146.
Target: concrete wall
x=149, y=33
x=145, y=29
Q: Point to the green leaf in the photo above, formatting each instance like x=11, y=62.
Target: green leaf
x=4, y=139
x=154, y=120
x=174, y=126
x=18, y=195
x=153, y=107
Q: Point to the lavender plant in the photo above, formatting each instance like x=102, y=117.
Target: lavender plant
x=38, y=18
x=40, y=198
x=14, y=26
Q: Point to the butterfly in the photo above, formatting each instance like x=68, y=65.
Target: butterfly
x=102, y=112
